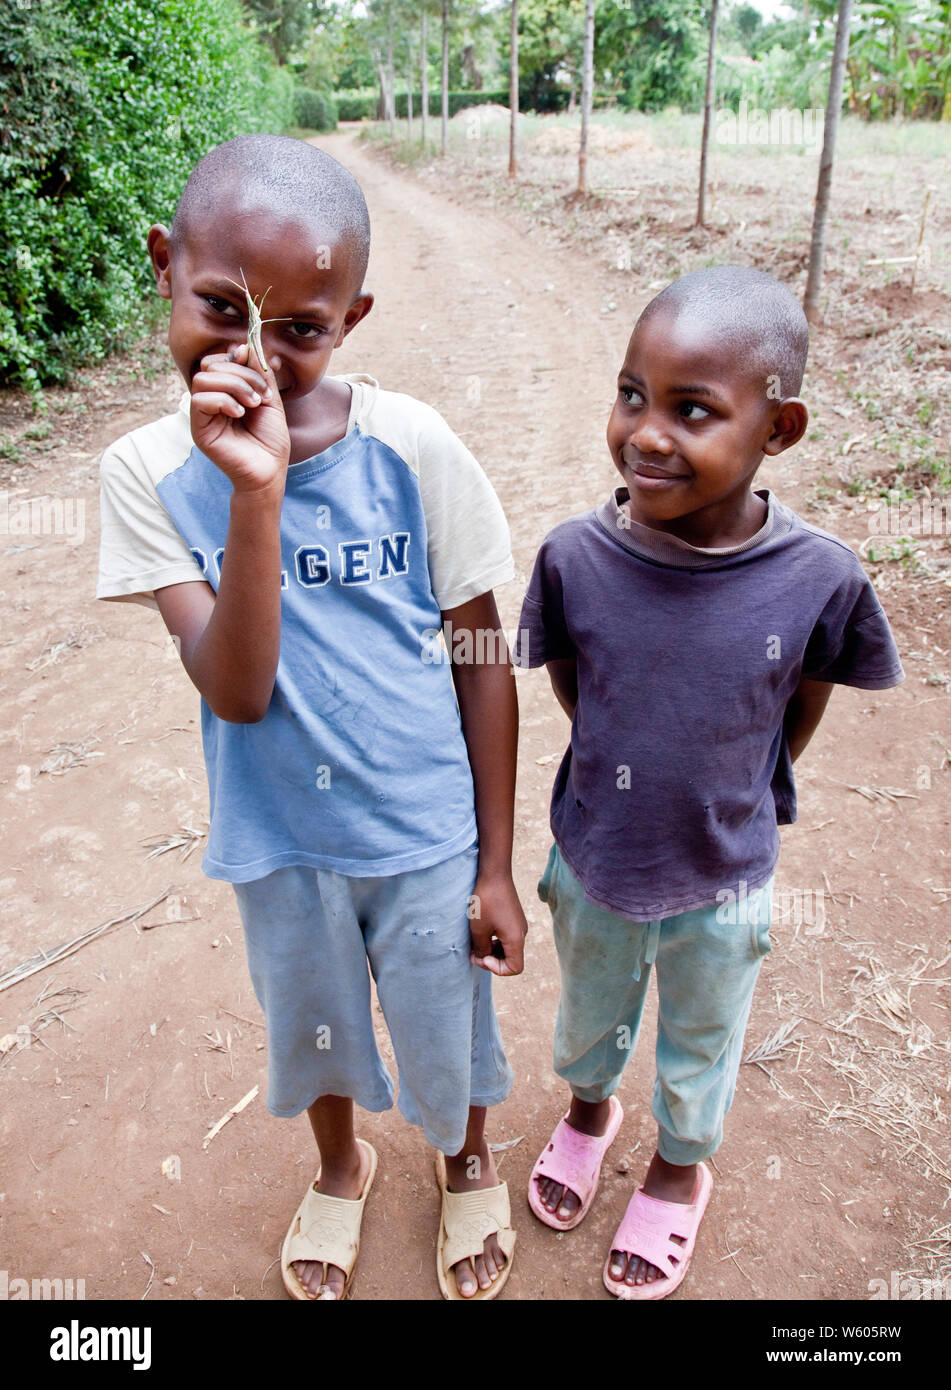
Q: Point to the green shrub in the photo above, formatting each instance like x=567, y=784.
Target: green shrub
x=105, y=106
x=314, y=110
x=357, y=106
x=365, y=105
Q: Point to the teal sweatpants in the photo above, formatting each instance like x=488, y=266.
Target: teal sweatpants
x=707, y=963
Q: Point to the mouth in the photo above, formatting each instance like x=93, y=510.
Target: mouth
x=651, y=477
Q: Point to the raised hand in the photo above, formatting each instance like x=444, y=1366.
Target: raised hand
x=237, y=420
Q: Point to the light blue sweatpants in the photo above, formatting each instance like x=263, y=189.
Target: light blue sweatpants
x=311, y=935
x=707, y=964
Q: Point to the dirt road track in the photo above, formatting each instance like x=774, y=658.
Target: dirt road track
x=506, y=335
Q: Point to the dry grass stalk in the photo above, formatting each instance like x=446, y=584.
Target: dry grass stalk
x=54, y=650
x=45, y=958
x=774, y=1046
x=229, y=1115
x=184, y=839
x=66, y=756
x=880, y=793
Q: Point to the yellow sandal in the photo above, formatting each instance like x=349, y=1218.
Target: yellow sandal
x=466, y=1220
x=326, y=1229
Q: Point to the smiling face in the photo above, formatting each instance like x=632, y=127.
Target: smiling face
x=312, y=302
x=689, y=430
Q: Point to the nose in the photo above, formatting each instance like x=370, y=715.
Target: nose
x=648, y=435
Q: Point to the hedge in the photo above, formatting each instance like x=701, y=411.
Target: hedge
x=365, y=106
x=105, y=106
x=314, y=110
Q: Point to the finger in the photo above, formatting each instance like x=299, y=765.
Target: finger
x=213, y=383
x=223, y=371
x=514, y=954
x=217, y=403
x=494, y=967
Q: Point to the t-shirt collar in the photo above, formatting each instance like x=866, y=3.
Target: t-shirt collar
x=666, y=549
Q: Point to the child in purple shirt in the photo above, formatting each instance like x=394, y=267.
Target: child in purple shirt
x=693, y=629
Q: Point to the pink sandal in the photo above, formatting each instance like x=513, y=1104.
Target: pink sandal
x=646, y=1230
x=573, y=1159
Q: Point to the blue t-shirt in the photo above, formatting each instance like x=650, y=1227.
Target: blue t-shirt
x=678, y=771
x=359, y=764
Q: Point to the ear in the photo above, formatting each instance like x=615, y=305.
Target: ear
x=789, y=425
x=358, y=310
x=160, y=254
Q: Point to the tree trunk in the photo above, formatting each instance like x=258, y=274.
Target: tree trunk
x=391, y=70
x=817, y=252
x=707, y=113
x=423, y=66
x=513, y=93
x=445, y=75
x=587, y=94
x=410, y=79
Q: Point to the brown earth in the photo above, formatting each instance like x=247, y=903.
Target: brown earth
x=835, y=1167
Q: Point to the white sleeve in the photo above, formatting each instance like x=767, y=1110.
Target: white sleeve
x=140, y=550
x=470, y=551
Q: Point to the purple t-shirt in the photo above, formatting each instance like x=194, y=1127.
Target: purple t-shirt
x=678, y=771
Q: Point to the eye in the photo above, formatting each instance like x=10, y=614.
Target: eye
x=221, y=306
x=631, y=395
x=305, y=330
x=688, y=406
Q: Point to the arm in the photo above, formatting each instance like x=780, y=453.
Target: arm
x=563, y=674
x=488, y=706
x=230, y=644
x=803, y=712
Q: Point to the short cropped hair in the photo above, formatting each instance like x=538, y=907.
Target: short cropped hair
x=295, y=179
x=754, y=312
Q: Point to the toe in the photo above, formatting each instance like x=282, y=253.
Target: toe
x=482, y=1273
x=618, y=1265
x=554, y=1196
x=466, y=1281
x=570, y=1205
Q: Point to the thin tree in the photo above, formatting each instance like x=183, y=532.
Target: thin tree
x=587, y=94
x=410, y=80
x=423, y=69
x=391, y=69
x=445, y=75
x=817, y=252
x=513, y=92
x=707, y=113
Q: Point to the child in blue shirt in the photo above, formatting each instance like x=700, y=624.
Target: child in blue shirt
x=302, y=536
x=693, y=628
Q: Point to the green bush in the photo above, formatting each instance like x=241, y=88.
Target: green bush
x=365, y=105
x=314, y=110
x=357, y=105
x=105, y=106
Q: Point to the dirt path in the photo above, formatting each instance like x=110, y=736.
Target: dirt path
x=160, y=1032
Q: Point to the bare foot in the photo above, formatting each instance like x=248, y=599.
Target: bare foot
x=486, y=1268
x=587, y=1118
x=344, y=1177
x=669, y=1183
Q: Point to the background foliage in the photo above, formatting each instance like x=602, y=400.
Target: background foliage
x=105, y=106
